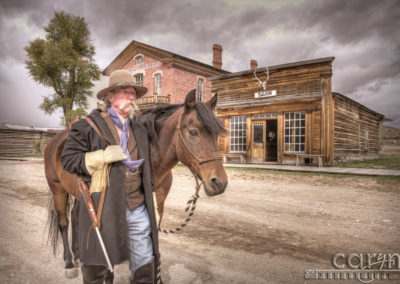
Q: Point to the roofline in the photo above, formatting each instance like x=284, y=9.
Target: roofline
x=359, y=104
x=274, y=67
x=173, y=55
x=17, y=127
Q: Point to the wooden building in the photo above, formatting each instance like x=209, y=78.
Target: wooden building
x=167, y=76
x=18, y=140
x=288, y=112
x=356, y=130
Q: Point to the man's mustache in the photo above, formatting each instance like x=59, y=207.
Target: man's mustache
x=124, y=105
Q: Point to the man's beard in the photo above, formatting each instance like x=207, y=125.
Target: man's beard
x=134, y=109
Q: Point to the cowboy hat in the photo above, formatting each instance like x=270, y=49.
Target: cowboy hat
x=121, y=78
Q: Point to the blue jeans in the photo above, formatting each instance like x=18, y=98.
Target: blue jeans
x=139, y=237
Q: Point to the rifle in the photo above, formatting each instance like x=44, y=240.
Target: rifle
x=84, y=189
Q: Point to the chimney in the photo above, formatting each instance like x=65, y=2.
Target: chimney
x=253, y=64
x=217, y=56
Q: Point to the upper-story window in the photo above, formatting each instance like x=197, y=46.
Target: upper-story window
x=200, y=88
x=157, y=84
x=139, y=79
x=139, y=59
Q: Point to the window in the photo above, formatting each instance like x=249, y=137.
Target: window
x=157, y=84
x=139, y=79
x=295, y=131
x=238, y=134
x=139, y=59
x=265, y=115
x=200, y=83
x=258, y=129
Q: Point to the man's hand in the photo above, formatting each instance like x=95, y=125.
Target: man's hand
x=113, y=153
x=98, y=159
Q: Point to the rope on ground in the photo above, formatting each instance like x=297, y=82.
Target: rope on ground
x=190, y=207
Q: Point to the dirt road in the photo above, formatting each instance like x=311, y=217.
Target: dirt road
x=268, y=227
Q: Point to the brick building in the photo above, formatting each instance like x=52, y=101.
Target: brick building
x=167, y=76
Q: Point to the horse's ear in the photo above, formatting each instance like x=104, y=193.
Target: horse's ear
x=213, y=102
x=190, y=100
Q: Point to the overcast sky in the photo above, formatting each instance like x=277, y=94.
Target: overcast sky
x=362, y=35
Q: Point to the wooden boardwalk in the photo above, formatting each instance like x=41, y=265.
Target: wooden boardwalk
x=330, y=170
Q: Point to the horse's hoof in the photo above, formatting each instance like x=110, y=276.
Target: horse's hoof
x=71, y=273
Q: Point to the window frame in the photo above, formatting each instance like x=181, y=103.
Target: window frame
x=200, y=89
x=157, y=89
x=294, y=132
x=237, y=135
x=139, y=83
x=137, y=57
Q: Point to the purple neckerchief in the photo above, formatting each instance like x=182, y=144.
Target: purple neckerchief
x=129, y=164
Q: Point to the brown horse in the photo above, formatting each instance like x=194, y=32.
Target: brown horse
x=186, y=132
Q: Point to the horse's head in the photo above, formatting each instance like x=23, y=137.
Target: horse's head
x=197, y=143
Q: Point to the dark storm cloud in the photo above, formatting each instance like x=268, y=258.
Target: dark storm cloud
x=362, y=35
x=127, y=20
x=23, y=17
x=348, y=22
x=353, y=24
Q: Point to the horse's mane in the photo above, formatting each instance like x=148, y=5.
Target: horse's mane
x=153, y=118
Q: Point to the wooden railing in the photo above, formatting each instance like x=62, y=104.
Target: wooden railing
x=154, y=100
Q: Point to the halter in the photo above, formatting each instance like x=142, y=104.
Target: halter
x=199, y=160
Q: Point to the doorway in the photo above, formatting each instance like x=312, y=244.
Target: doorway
x=271, y=140
x=264, y=146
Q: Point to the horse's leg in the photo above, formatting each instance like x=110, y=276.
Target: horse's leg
x=74, y=225
x=60, y=205
x=162, y=191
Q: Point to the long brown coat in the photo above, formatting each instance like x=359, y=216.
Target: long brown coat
x=82, y=139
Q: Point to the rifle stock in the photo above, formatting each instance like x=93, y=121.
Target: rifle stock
x=84, y=189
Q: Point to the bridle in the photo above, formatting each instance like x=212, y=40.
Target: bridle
x=198, y=160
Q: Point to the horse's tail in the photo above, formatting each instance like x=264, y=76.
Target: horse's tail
x=53, y=222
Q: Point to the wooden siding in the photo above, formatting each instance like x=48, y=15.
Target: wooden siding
x=223, y=140
x=14, y=143
x=295, y=83
x=356, y=131
x=315, y=132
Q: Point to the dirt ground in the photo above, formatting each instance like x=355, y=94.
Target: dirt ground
x=268, y=227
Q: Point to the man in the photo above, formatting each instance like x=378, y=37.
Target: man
x=122, y=172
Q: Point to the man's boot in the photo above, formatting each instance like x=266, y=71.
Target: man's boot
x=144, y=274
x=96, y=274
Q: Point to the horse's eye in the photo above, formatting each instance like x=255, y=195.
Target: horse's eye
x=193, y=132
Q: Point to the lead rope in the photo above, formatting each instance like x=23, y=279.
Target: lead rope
x=190, y=207
x=158, y=272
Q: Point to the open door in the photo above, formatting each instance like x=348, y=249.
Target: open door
x=258, y=142
x=271, y=140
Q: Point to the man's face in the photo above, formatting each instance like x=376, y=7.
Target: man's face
x=121, y=101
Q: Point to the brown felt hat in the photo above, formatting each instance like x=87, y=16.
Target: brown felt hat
x=121, y=78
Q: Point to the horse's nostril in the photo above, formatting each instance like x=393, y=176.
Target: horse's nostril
x=214, y=180
x=215, y=186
